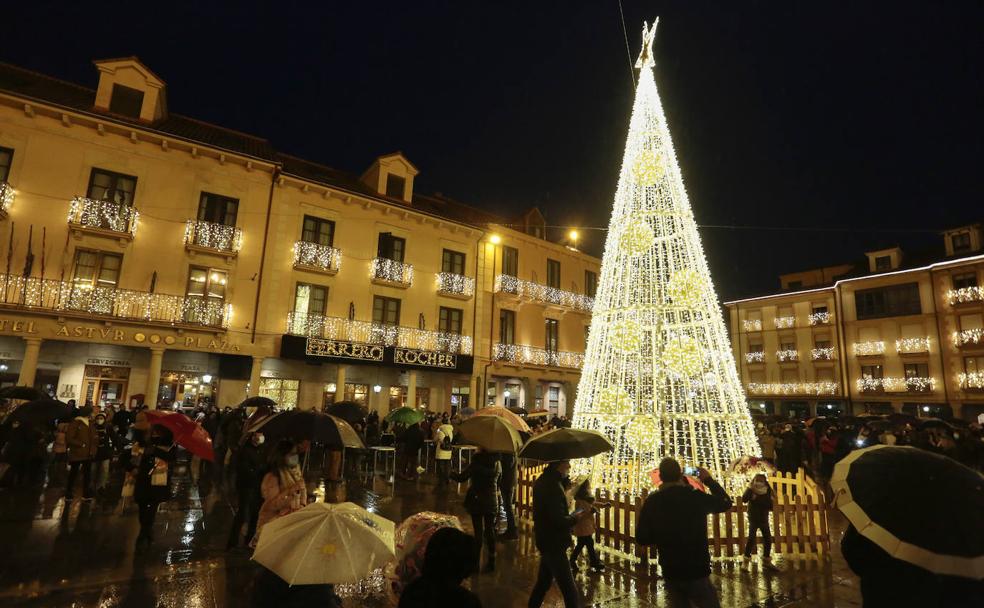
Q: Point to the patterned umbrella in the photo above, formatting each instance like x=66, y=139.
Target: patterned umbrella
x=750, y=465
x=411, y=542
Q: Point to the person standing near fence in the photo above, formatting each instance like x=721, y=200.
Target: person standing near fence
x=507, y=490
x=674, y=519
x=758, y=497
x=443, y=438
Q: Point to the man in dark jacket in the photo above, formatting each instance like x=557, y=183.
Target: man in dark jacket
x=674, y=518
x=249, y=474
x=507, y=489
x=552, y=524
x=412, y=440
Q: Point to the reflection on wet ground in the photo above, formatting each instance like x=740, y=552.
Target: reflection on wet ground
x=83, y=556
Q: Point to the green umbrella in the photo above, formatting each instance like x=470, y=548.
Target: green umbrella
x=491, y=433
x=405, y=416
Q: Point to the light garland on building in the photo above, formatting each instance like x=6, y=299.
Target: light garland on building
x=787, y=355
x=338, y=328
x=869, y=349
x=821, y=388
x=912, y=345
x=968, y=336
x=682, y=395
x=825, y=353
x=971, y=380
x=544, y=294
x=103, y=215
x=385, y=269
x=785, y=322
x=316, y=255
x=964, y=295
x=819, y=318
x=457, y=284
x=7, y=194
x=755, y=357
x=531, y=355
x=752, y=324
x=213, y=236
x=895, y=384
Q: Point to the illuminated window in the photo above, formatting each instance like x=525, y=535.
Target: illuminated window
x=552, y=335
x=510, y=261
x=310, y=299
x=450, y=320
x=283, y=391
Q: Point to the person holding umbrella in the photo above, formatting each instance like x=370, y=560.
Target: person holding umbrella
x=283, y=488
x=152, y=477
x=481, y=502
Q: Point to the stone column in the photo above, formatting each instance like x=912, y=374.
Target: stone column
x=29, y=366
x=153, y=377
x=340, y=384
x=254, y=376
x=412, y=389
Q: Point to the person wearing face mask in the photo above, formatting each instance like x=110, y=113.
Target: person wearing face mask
x=106, y=442
x=152, y=464
x=82, y=441
x=283, y=488
x=758, y=497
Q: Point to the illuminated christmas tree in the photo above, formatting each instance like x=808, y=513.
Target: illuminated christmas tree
x=659, y=376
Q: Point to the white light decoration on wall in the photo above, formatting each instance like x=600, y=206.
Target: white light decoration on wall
x=456, y=284
x=971, y=380
x=682, y=395
x=787, y=355
x=793, y=388
x=968, y=336
x=819, y=318
x=337, y=328
x=907, y=346
x=531, y=355
x=964, y=295
x=824, y=353
x=869, y=349
x=755, y=357
x=752, y=324
x=103, y=215
x=385, y=269
x=785, y=322
x=895, y=384
x=536, y=292
x=213, y=236
x=316, y=255
x=7, y=194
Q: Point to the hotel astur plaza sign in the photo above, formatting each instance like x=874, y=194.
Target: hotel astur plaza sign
x=321, y=350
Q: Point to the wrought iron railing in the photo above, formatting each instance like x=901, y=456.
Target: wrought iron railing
x=7, y=194
x=315, y=255
x=531, y=355
x=455, y=284
x=384, y=269
x=103, y=215
x=211, y=235
x=793, y=388
x=505, y=283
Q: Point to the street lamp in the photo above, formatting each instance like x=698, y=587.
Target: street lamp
x=495, y=239
x=572, y=235
x=207, y=378
x=377, y=388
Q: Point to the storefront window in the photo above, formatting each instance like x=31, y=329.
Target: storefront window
x=283, y=391
x=185, y=389
x=397, y=397
x=105, y=385
x=328, y=395
x=460, y=397
x=553, y=399
x=357, y=392
x=423, y=397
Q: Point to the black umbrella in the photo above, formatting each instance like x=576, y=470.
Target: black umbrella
x=312, y=426
x=349, y=411
x=27, y=393
x=935, y=423
x=41, y=412
x=894, y=496
x=564, y=444
x=258, y=402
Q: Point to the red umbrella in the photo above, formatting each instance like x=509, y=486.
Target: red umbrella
x=187, y=433
x=693, y=481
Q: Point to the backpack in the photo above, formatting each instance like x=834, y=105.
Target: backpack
x=446, y=442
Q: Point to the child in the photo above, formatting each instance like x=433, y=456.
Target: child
x=584, y=529
x=758, y=497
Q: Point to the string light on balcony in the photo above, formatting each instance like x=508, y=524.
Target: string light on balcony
x=968, y=336
x=823, y=387
x=316, y=255
x=213, y=236
x=785, y=322
x=819, y=318
x=787, y=355
x=755, y=357
x=392, y=271
x=449, y=282
x=869, y=349
x=104, y=215
x=7, y=194
x=895, y=384
x=531, y=355
x=912, y=345
x=542, y=293
x=971, y=380
x=752, y=325
x=964, y=295
x=823, y=353
x=337, y=328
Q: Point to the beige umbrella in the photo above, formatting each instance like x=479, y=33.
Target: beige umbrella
x=326, y=544
x=515, y=421
x=491, y=433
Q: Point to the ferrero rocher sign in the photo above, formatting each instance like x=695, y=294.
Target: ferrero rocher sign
x=319, y=350
x=319, y=347
x=426, y=358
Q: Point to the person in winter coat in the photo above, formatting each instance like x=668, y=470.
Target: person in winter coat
x=22, y=442
x=507, y=489
x=250, y=469
x=674, y=519
x=283, y=488
x=448, y=560
x=758, y=497
x=151, y=466
x=443, y=438
x=481, y=501
x=790, y=451
x=106, y=443
x=412, y=440
x=83, y=441
x=584, y=529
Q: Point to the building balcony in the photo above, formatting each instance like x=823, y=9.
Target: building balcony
x=105, y=218
x=7, y=194
x=819, y=318
x=965, y=295
x=896, y=385
x=390, y=272
x=821, y=388
x=752, y=325
x=912, y=346
x=825, y=353
x=869, y=349
x=971, y=381
x=755, y=357
x=337, y=328
x=785, y=322
x=84, y=299
x=210, y=237
x=531, y=355
x=787, y=356
x=455, y=285
x=968, y=337
x=317, y=257
x=543, y=294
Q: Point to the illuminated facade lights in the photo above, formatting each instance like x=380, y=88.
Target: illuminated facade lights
x=659, y=376
x=752, y=324
x=964, y=295
x=895, y=385
x=968, y=336
x=315, y=255
x=7, y=194
x=755, y=357
x=819, y=318
x=825, y=353
x=908, y=346
x=793, y=388
x=869, y=349
x=542, y=293
x=455, y=284
x=392, y=271
x=788, y=355
x=213, y=236
x=337, y=328
x=103, y=215
x=531, y=355
x=785, y=322
x=971, y=380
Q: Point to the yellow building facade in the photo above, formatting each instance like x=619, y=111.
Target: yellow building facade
x=888, y=337
x=154, y=258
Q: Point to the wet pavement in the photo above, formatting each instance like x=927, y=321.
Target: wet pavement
x=83, y=556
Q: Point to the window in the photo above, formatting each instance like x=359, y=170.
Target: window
x=391, y=247
x=283, y=392
x=974, y=364
x=96, y=269
x=960, y=242
x=893, y=301
x=871, y=372
x=507, y=326
x=553, y=331
x=126, y=101
x=510, y=261
x=317, y=230
x=883, y=262
x=590, y=283
x=553, y=399
x=310, y=299
x=217, y=209
x=822, y=344
x=453, y=262
x=756, y=348
x=794, y=285
x=973, y=321
x=916, y=370
x=6, y=158
x=964, y=280
x=397, y=397
x=395, y=185
x=357, y=392
x=450, y=320
x=818, y=310
x=385, y=311
x=207, y=283
x=108, y=186
x=553, y=273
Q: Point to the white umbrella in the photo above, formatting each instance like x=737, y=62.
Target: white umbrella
x=326, y=543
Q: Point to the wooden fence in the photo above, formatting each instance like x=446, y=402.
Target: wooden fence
x=799, y=520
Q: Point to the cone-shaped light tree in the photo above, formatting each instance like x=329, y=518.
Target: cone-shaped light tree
x=659, y=376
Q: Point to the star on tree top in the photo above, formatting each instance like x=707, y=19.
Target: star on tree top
x=648, y=36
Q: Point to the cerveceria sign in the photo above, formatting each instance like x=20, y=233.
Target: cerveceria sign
x=321, y=350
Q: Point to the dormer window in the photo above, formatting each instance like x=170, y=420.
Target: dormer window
x=126, y=101
x=395, y=185
x=960, y=242
x=883, y=262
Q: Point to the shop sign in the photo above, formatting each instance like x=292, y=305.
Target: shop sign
x=319, y=347
x=107, y=362
x=318, y=350
x=191, y=367
x=425, y=358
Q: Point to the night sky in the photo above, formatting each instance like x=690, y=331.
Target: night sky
x=846, y=125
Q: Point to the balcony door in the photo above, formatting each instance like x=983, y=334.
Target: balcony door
x=309, y=309
x=218, y=209
x=318, y=231
x=391, y=247
x=94, y=281
x=112, y=187
x=206, y=295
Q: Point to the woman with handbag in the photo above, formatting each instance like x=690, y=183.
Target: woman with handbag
x=151, y=470
x=283, y=488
